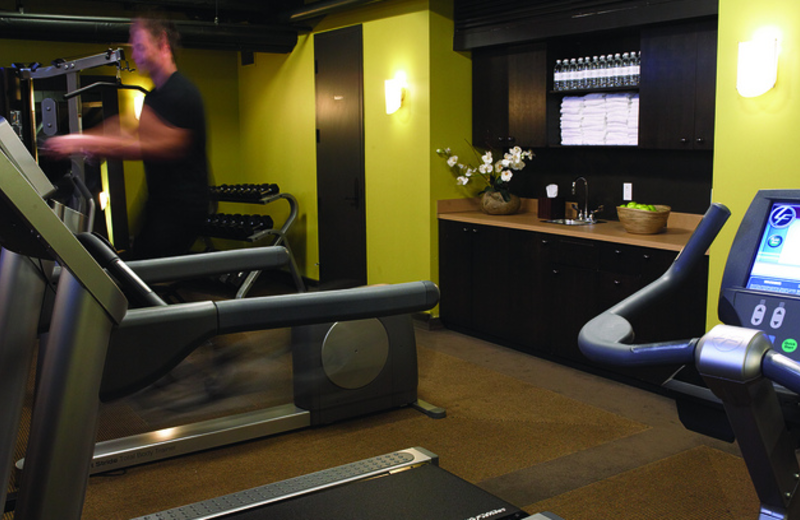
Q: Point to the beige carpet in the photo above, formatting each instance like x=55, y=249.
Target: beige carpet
x=698, y=484
x=495, y=425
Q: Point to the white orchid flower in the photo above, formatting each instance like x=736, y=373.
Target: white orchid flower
x=470, y=172
x=506, y=176
x=462, y=181
x=485, y=169
x=452, y=160
x=516, y=150
x=487, y=158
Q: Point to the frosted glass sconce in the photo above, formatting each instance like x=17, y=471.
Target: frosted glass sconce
x=757, y=69
x=396, y=92
x=138, y=104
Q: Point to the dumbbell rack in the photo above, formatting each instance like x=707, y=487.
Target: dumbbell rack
x=258, y=233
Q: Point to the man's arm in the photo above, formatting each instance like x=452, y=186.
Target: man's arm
x=156, y=140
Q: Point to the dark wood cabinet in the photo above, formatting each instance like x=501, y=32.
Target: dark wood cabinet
x=677, y=87
x=535, y=291
x=492, y=284
x=511, y=104
x=509, y=89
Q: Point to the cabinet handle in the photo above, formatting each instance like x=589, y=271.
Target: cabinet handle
x=617, y=252
x=617, y=282
x=700, y=140
x=683, y=140
x=646, y=257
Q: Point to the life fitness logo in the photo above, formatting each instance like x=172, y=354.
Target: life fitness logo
x=488, y=514
x=782, y=216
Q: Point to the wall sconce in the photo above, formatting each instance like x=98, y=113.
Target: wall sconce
x=138, y=103
x=396, y=92
x=757, y=69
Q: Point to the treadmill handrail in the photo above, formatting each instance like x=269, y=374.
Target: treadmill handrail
x=608, y=338
x=172, y=269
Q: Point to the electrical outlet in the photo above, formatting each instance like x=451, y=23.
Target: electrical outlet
x=627, y=191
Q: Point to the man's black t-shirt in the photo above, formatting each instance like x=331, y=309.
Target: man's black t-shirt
x=183, y=182
x=178, y=199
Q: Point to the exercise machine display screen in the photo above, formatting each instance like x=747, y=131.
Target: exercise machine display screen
x=761, y=283
x=776, y=267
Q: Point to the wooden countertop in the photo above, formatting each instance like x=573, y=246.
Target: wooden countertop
x=679, y=226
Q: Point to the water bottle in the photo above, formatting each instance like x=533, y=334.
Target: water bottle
x=593, y=72
x=617, y=70
x=572, y=74
x=636, y=66
x=602, y=72
x=626, y=69
x=558, y=77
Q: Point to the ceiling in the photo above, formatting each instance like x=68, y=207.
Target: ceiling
x=244, y=25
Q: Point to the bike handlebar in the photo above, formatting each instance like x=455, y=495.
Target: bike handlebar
x=608, y=338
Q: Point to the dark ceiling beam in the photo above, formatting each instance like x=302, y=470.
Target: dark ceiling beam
x=323, y=8
x=107, y=30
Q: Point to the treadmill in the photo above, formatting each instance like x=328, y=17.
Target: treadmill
x=89, y=306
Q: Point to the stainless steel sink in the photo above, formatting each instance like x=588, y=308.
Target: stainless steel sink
x=573, y=222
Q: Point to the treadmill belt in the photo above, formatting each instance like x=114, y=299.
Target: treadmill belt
x=424, y=492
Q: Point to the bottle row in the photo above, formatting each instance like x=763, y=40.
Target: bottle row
x=243, y=192
x=612, y=70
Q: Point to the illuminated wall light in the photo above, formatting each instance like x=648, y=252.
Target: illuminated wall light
x=757, y=69
x=103, y=199
x=138, y=103
x=396, y=90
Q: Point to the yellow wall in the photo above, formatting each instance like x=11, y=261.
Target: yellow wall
x=756, y=139
x=403, y=179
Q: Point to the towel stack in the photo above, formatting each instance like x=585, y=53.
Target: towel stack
x=600, y=119
x=571, y=120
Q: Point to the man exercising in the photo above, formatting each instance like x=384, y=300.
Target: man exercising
x=171, y=141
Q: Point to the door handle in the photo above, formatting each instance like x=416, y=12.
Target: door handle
x=356, y=198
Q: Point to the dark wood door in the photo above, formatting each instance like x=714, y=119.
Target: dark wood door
x=340, y=157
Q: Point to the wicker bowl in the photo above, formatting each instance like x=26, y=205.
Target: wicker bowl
x=642, y=221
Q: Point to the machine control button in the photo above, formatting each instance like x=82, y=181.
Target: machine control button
x=777, y=317
x=758, y=313
x=789, y=345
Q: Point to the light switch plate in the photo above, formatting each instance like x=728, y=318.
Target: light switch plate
x=627, y=191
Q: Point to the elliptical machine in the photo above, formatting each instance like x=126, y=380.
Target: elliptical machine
x=750, y=364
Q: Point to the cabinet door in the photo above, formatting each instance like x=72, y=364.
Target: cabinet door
x=509, y=97
x=574, y=286
x=491, y=280
x=530, y=297
x=455, y=273
x=677, y=87
x=706, y=85
x=575, y=291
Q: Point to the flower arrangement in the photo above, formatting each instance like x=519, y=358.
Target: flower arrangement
x=495, y=175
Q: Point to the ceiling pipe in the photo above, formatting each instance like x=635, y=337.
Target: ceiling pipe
x=108, y=30
x=322, y=8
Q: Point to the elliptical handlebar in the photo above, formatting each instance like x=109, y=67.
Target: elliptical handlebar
x=608, y=338
x=782, y=370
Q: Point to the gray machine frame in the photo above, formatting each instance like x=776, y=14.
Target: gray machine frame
x=88, y=307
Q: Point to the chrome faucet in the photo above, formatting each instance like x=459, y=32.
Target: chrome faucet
x=583, y=214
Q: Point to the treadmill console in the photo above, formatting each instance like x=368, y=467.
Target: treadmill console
x=761, y=283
